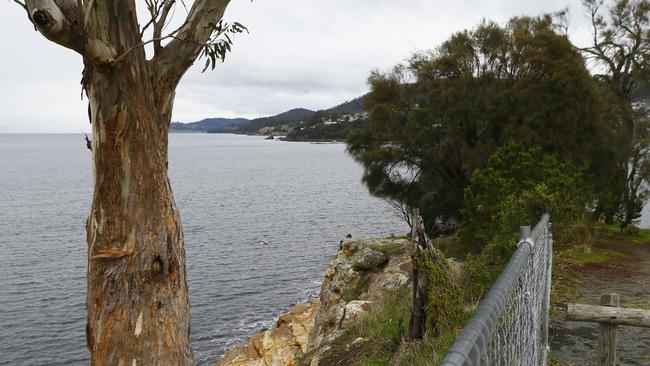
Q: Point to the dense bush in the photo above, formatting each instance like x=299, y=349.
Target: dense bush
x=515, y=189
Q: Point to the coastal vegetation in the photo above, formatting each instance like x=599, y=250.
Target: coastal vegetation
x=500, y=124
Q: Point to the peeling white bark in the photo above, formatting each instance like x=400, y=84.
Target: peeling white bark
x=138, y=326
x=58, y=22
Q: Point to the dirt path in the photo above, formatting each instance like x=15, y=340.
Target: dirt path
x=628, y=274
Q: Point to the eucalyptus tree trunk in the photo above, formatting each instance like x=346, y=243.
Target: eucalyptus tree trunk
x=138, y=305
x=137, y=299
x=137, y=293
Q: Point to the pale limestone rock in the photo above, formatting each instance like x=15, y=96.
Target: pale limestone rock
x=359, y=274
x=279, y=346
x=353, y=311
x=345, y=276
x=367, y=259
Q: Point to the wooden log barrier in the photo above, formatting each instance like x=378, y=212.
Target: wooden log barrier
x=609, y=316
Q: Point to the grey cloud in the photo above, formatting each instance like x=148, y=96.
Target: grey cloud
x=300, y=53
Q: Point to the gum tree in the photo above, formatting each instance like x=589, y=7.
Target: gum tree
x=137, y=296
x=620, y=47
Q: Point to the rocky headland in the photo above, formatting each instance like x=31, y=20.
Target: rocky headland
x=362, y=273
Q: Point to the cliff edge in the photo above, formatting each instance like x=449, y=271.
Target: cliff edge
x=362, y=273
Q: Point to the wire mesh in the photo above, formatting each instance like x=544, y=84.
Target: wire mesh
x=510, y=326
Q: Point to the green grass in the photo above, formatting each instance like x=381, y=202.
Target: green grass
x=389, y=249
x=586, y=255
x=428, y=351
x=388, y=319
x=633, y=233
x=375, y=361
x=452, y=246
x=406, y=236
x=552, y=361
x=564, y=285
x=356, y=291
x=381, y=329
x=384, y=329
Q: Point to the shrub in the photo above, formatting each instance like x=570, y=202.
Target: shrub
x=515, y=189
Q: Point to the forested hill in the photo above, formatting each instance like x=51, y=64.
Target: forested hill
x=207, y=124
x=300, y=123
x=289, y=117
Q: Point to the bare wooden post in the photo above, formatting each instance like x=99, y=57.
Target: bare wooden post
x=607, y=339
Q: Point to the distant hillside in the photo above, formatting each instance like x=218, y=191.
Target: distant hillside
x=320, y=124
x=287, y=118
x=350, y=107
x=282, y=123
x=207, y=124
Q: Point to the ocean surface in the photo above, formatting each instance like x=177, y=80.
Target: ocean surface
x=232, y=191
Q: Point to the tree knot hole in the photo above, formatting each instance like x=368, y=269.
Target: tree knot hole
x=157, y=265
x=41, y=17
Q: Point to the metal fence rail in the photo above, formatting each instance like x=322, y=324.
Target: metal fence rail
x=510, y=326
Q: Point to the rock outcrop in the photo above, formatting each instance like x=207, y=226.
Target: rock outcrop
x=279, y=346
x=361, y=273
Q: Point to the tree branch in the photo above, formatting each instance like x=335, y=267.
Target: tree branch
x=175, y=58
x=58, y=21
x=22, y=5
x=160, y=24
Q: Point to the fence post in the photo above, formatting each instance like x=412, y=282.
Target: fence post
x=524, y=232
x=548, y=244
x=607, y=339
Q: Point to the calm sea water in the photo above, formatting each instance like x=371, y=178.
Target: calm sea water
x=232, y=191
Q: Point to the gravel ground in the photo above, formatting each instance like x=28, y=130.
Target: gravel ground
x=575, y=343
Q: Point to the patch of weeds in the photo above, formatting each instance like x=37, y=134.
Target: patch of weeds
x=579, y=233
x=388, y=319
x=375, y=361
x=429, y=351
x=381, y=329
x=585, y=255
x=384, y=329
x=552, y=361
x=389, y=249
x=356, y=291
x=636, y=302
x=637, y=235
x=563, y=286
x=632, y=233
x=452, y=246
x=444, y=308
x=406, y=236
x=479, y=275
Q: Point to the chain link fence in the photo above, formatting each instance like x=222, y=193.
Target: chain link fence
x=510, y=326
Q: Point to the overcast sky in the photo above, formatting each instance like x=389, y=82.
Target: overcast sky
x=299, y=53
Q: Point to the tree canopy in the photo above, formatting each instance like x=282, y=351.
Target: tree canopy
x=620, y=50
x=437, y=119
